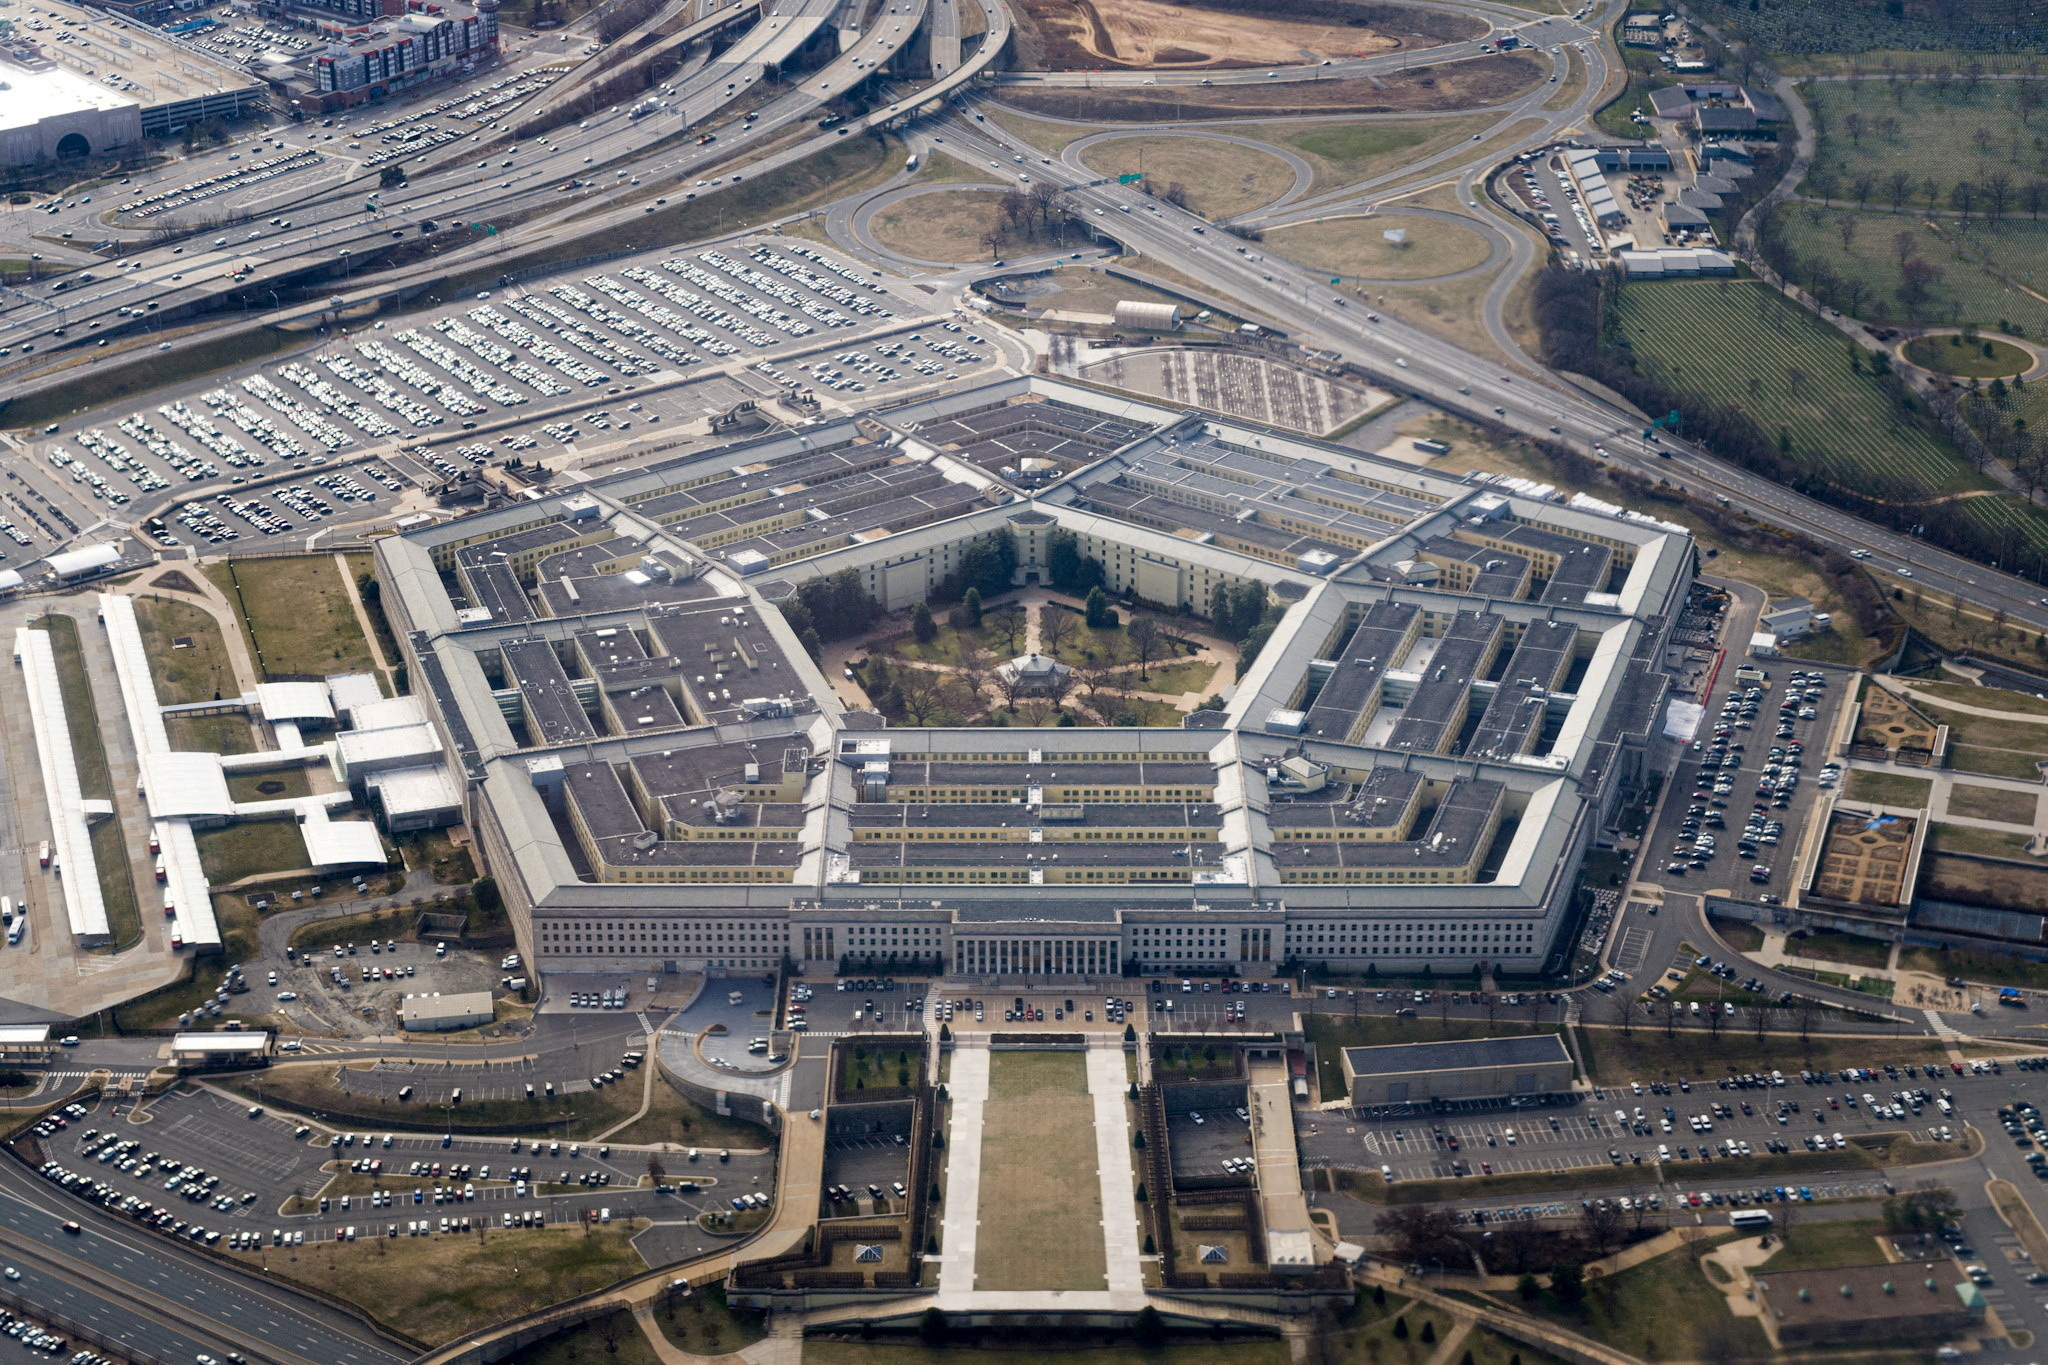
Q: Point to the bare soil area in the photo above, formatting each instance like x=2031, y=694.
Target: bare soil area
x=1065, y=35
x=1458, y=85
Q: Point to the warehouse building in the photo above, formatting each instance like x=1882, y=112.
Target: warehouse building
x=1442, y=1073
x=1875, y=1304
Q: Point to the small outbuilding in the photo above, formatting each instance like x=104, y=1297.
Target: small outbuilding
x=1152, y=317
x=442, y=1013
x=223, y=1051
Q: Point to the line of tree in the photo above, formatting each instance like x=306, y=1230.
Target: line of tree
x=987, y=564
x=1068, y=569
x=1578, y=312
x=834, y=608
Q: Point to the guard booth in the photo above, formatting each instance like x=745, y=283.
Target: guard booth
x=26, y=1045
x=224, y=1051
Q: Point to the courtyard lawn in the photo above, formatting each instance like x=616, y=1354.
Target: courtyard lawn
x=1854, y=949
x=1810, y=1245
x=297, y=615
x=250, y=848
x=1993, y=803
x=1041, y=1200
x=1887, y=789
x=188, y=660
x=222, y=734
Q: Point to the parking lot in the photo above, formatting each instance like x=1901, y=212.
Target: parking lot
x=210, y=1162
x=1213, y=1145
x=601, y=361
x=1741, y=794
x=1673, y=1134
x=864, y=1173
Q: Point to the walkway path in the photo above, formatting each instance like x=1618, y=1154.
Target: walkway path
x=969, y=1092
x=214, y=603
x=355, y=599
x=1107, y=1084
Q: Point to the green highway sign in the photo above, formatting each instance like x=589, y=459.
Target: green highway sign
x=1130, y=178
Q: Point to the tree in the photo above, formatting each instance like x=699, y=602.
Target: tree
x=1146, y=1328
x=1423, y=1232
x=1962, y=197
x=1528, y=1288
x=1429, y=1329
x=1600, y=1226
x=1903, y=246
x=488, y=899
x=970, y=606
x=1006, y=625
x=922, y=626
x=1568, y=1282
x=1143, y=633
x=1897, y=186
x=1401, y=1328
x=2032, y=196
x=610, y=1331
x=933, y=1328
x=1998, y=188
x=1055, y=625
x=655, y=1170
x=1098, y=613
x=813, y=646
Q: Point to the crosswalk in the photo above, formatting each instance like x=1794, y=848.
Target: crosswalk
x=1941, y=1026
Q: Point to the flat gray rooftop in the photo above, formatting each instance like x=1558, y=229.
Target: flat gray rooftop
x=1404, y=1059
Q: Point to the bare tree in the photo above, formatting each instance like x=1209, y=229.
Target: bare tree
x=1600, y=1226
x=922, y=692
x=1143, y=635
x=1998, y=188
x=611, y=1332
x=1055, y=626
x=1005, y=625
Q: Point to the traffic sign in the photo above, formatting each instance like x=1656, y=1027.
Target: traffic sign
x=1130, y=177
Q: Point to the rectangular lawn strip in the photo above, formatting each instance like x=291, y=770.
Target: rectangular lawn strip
x=311, y=1088
x=434, y=1289
x=117, y=884
x=1985, y=843
x=1994, y=762
x=1993, y=803
x=198, y=670
x=1810, y=1245
x=1993, y=968
x=288, y=783
x=363, y=564
x=1645, y=1054
x=1886, y=789
x=1041, y=1200
x=298, y=615
x=250, y=848
x=1990, y=698
x=1332, y=1033
x=1235, y=1351
x=222, y=734
x=2020, y=736
x=1717, y=339
x=1854, y=949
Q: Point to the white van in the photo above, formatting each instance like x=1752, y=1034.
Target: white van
x=1387, y=1174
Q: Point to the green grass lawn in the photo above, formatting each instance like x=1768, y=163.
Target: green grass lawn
x=1663, y=1309
x=1811, y=1245
x=706, y=1325
x=1039, y=1172
x=615, y=1339
x=1996, y=762
x=1886, y=789
x=188, y=661
x=223, y=734
x=1345, y=153
x=1957, y=355
x=434, y=1289
x=1993, y=803
x=1332, y=1033
x=1994, y=969
x=250, y=848
x=1983, y=265
x=297, y=615
x=1985, y=843
x=1989, y=698
x=1853, y=949
x=310, y=1088
x=275, y=784
x=1870, y=128
x=1739, y=345
x=1645, y=1054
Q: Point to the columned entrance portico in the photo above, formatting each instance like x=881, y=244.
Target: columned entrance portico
x=1061, y=955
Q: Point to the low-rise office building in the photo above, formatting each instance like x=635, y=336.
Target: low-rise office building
x=1475, y=1069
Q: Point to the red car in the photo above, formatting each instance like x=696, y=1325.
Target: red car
x=1486, y=1168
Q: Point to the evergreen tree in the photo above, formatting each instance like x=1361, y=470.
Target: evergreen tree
x=922, y=626
x=1098, y=613
x=970, y=606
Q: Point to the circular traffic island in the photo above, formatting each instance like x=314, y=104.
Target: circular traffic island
x=1984, y=358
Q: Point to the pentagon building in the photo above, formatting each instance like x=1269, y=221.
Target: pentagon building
x=1463, y=683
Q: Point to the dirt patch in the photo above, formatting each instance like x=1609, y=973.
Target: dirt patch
x=1062, y=35
x=1470, y=84
x=2002, y=886
x=173, y=581
x=966, y=225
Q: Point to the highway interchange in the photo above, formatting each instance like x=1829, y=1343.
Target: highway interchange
x=132, y=1287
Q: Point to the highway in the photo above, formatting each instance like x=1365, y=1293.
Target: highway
x=135, y=1286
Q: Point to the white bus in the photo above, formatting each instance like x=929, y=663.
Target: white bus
x=1751, y=1218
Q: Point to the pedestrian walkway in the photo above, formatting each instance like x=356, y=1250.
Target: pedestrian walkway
x=1940, y=1025
x=1107, y=1084
x=968, y=1092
